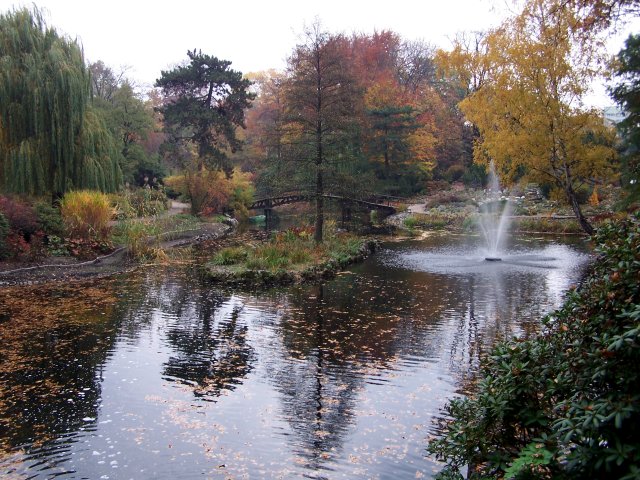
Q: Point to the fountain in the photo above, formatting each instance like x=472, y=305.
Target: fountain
x=490, y=254
x=494, y=217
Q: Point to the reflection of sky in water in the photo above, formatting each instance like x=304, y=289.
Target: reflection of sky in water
x=179, y=379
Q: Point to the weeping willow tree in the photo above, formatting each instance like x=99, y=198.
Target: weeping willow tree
x=51, y=140
x=99, y=167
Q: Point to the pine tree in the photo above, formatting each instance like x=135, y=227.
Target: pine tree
x=205, y=104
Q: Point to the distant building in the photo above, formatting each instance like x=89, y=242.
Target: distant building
x=613, y=115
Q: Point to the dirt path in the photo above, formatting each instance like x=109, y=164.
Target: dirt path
x=417, y=208
x=178, y=207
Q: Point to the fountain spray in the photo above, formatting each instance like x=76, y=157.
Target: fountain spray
x=494, y=216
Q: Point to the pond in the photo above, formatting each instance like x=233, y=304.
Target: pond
x=158, y=374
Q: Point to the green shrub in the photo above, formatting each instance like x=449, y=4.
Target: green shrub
x=436, y=223
x=470, y=223
x=344, y=251
x=454, y=173
x=141, y=202
x=475, y=176
x=433, y=221
x=410, y=222
x=256, y=263
x=299, y=255
x=565, y=404
x=276, y=262
x=242, y=193
x=122, y=208
x=292, y=249
x=49, y=219
x=86, y=215
x=56, y=246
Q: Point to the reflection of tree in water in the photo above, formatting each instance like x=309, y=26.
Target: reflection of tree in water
x=209, y=356
x=371, y=320
x=337, y=337
x=53, y=342
x=342, y=335
x=142, y=295
x=318, y=389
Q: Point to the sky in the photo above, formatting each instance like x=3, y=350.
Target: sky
x=145, y=37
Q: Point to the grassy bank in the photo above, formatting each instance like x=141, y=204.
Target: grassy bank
x=288, y=257
x=433, y=221
x=464, y=221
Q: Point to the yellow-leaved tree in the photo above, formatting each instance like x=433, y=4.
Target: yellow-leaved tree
x=467, y=64
x=529, y=107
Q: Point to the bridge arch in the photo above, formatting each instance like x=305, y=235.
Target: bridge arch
x=285, y=199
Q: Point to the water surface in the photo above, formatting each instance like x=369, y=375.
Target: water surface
x=159, y=374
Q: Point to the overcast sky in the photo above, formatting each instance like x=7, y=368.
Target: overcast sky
x=150, y=36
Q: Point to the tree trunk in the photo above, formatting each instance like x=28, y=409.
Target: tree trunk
x=386, y=157
x=386, y=163
x=319, y=159
x=575, y=206
x=319, y=205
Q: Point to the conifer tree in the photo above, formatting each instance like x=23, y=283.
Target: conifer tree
x=319, y=112
x=205, y=103
x=627, y=94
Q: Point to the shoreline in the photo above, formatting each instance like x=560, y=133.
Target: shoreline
x=55, y=269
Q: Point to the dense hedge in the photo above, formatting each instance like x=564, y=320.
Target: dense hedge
x=565, y=405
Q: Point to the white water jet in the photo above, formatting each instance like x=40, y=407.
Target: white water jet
x=495, y=212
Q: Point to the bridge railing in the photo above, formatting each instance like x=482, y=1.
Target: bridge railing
x=388, y=199
x=363, y=196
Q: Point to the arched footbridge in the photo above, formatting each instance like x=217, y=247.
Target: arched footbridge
x=379, y=203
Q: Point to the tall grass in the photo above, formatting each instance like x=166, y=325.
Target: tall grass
x=229, y=256
x=548, y=225
x=293, y=249
x=135, y=234
x=432, y=221
x=86, y=215
x=143, y=236
x=141, y=202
